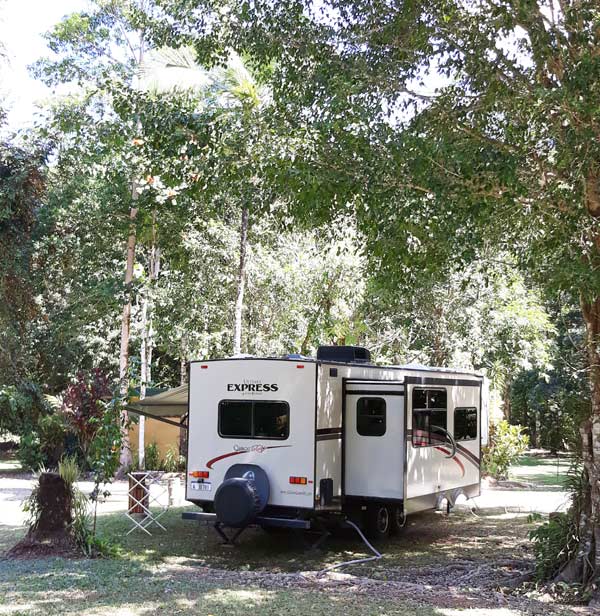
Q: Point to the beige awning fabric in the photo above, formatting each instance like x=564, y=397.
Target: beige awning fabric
x=171, y=403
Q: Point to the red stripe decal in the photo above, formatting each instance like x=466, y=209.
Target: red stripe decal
x=210, y=463
x=460, y=464
x=225, y=455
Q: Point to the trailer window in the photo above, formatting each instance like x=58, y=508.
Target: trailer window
x=370, y=416
x=465, y=424
x=254, y=419
x=271, y=420
x=429, y=417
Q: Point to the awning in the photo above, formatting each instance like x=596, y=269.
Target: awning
x=171, y=403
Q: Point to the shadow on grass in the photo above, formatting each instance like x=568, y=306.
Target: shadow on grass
x=133, y=587
x=428, y=539
x=186, y=570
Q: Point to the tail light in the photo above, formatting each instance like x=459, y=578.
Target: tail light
x=199, y=474
x=298, y=480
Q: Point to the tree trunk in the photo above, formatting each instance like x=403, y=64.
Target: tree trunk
x=143, y=382
x=51, y=533
x=241, y=281
x=125, y=459
x=125, y=455
x=147, y=343
x=583, y=569
x=183, y=359
x=506, y=399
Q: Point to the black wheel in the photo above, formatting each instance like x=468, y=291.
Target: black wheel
x=398, y=520
x=379, y=521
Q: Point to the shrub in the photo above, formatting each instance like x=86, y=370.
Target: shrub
x=30, y=452
x=171, y=462
x=20, y=408
x=507, y=443
x=83, y=405
x=556, y=542
x=52, y=430
x=152, y=457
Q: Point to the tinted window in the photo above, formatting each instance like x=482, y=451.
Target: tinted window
x=271, y=420
x=254, y=419
x=465, y=424
x=235, y=418
x=370, y=416
x=430, y=418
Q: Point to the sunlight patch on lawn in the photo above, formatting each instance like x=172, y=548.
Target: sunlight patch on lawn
x=493, y=611
x=21, y=608
x=227, y=596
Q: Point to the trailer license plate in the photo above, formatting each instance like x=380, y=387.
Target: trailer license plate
x=202, y=486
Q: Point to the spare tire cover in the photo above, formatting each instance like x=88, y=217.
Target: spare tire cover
x=236, y=502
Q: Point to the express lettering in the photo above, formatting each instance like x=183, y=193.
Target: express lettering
x=252, y=387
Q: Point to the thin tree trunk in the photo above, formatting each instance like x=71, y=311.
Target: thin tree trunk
x=125, y=458
x=143, y=382
x=506, y=399
x=584, y=567
x=241, y=282
x=147, y=343
x=183, y=359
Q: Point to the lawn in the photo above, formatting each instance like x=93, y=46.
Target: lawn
x=548, y=472
x=439, y=566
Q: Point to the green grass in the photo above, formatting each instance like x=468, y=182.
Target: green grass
x=129, y=587
x=118, y=587
x=428, y=538
x=186, y=570
x=542, y=472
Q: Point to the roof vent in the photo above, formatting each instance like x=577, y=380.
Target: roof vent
x=344, y=354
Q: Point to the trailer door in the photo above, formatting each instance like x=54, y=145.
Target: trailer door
x=373, y=427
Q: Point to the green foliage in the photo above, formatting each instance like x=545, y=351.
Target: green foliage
x=507, y=443
x=20, y=408
x=30, y=452
x=556, y=542
x=68, y=469
x=152, y=457
x=171, y=461
x=552, y=403
x=31, y=506
x=52, y=431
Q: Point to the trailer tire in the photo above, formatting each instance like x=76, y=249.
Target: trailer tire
x=379, y=521
x=398, y=520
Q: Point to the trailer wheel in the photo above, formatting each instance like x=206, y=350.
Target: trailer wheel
x=398, y=520
x=379, y=521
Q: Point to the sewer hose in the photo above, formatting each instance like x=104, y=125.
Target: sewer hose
x=357, y=561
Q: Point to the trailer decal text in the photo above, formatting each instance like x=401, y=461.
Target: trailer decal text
x=252, y=386
x=239, y=449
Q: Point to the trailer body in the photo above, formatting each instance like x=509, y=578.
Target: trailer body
x=334, y=438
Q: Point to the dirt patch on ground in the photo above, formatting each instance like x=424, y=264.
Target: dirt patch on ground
x=36, y=545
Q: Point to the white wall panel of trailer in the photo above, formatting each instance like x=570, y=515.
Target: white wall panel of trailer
x=428, y=471
x=218, y=380
x=431, y=469
x=330, y=403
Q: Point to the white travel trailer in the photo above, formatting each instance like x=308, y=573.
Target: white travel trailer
x=299, y=442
